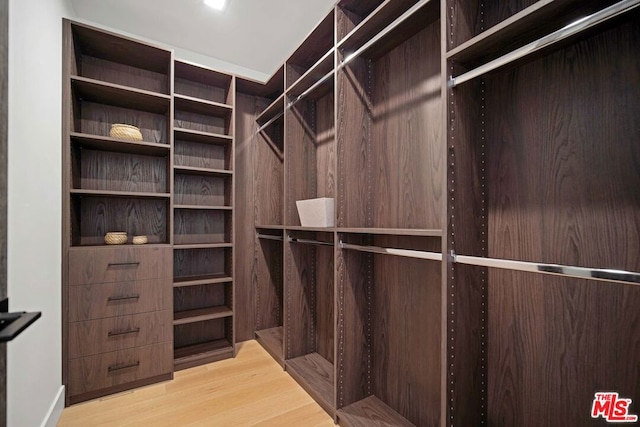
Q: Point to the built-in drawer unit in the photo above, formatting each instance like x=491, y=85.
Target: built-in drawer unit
x=116, y=368
x=87, y=302
x=117, y=264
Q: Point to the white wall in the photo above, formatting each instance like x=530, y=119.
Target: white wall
x=34, y=207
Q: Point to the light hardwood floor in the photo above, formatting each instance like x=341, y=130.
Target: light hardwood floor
x=250, y=390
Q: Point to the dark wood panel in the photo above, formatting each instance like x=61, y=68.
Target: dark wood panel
x=117, y=264
x=200, y=262
x=371, y=412
x=121, y=74
x=353, y=368
x=118, y=333
x=268, y=282
x=192, y=334
x=200, y=82
x=315, y=374
x=245, y=321
x=202, y=314
x=201, y=190
x=198, y=155
x=408, y=160
x=196, y=297
x=201, y=226
x=273, y=88
x=96, y=119
x=324, y=303
x=269, y=176
x=201, y=90
x=93, y=217
x=406, y=331
x=111, y=171
x=90, y=90
x=93, y=373
x=300, y=289
x=564, y=168
x=353, y=134
x=201, y=122
x=102, y=300
x=4, y=74
x=319, y=41
x=310, y=150
x=272, y=341
x=200, y=354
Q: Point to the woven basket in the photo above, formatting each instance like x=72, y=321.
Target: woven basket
x=122, y=131
x=115, y=238
x=139, y=240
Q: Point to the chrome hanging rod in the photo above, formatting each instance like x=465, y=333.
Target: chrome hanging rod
x=270, y=121
x=270, y=237
x=309, y=241
x=399, y=20
x=410, y=253
x=617, y=276
x=561, y=34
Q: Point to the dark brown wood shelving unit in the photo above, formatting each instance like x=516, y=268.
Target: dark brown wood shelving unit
x=203, y=215
x=315, y=374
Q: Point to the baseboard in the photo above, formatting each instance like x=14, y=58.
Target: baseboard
x=53, y=415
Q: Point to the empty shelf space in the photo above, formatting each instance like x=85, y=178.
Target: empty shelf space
x=121, y=96
x=369, y=412
x=202, y=171
x=202, y=137
x=392, y=231
x=201, y=106
x=271, y=340
x=200, y=315
x=188, y=356
x=106, y=143
x=119, y=194
x=273, y=110
x=315, y=374
x=202, y=280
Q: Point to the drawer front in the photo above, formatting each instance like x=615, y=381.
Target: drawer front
x=118, y=333
x=87, y=302
x=119, y=367
x=117, y=264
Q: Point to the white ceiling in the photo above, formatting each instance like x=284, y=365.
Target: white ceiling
x=254, y=35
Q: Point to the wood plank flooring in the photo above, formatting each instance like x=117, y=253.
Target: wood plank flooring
x=250, y=390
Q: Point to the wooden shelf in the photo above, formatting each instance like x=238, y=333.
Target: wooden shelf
x=119, y=194
x=180, y=282
x=300, y=228
x=203, y=246
x=186, y=357
x=128, y=245
x=210, y=208
x=315, y=374
x=371, y=411
x=201, y=106
x=376, y=21
x=275, y=108
x=106, y=143
x=201, y=315
x=270, y=227
x=202, y=171
x=120, y=96
x=315, y=73
x=322, y=89
x=392, y=231
x=202, y=137
x=542, y=17
x=272, y=341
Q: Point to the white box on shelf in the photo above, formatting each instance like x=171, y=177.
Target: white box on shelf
x=316, y=212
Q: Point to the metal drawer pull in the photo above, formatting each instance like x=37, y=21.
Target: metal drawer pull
x=113, y=368
x=125, y=332
x=116, y=264
x=124, y=297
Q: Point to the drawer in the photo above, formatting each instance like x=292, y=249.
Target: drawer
x=118, y=333
x=87, y=302
x=116, y=264
x=119, y=367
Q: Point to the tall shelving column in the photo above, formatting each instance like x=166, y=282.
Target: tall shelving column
x=116, y=299
x=203, y=187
